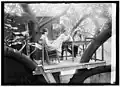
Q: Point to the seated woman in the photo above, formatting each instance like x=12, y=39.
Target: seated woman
x=54, y=44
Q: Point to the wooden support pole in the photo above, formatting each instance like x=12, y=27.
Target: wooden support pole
x=43, y=54
x=83, y=48
x=97, y=59
x=48, y=76
x=95, y=56
x=47, y=55
x=66, y=50
x=51, y=78
x=102, y=52
x=27, y=36
x=73, y=51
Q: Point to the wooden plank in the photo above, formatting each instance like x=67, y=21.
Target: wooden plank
x=48, y=76
x=51, y=78
x=66, y=52
x=56, y=68
x=76, y=42
x=43, y=55
x=74, y=66
x=96, y=59
x=72, y=52
x=103, y=52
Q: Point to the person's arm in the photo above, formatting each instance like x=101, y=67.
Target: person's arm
x=41, y=39
x=47, y=41
x=51, y=46
x=70, y=39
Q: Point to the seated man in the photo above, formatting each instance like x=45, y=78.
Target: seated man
x=76, y=37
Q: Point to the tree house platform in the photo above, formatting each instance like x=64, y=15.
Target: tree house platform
x=47, y=70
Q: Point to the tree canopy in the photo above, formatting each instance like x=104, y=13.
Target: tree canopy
x=97, y=14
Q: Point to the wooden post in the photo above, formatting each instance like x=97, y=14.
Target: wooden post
x=73, y=51
x=102, y=52
x=48, y=76
x=27, y=36
x=95, y=57
x=43, y=54
x=47, y=55
x=66, y=50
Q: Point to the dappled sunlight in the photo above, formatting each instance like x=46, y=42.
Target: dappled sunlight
x=60, y=37
x=97, y=13
x=47, y=9
x=13, y=9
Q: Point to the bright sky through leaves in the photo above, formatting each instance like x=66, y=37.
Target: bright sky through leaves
x=98, y=11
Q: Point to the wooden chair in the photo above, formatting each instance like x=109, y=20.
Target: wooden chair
x=50, y=54
x=65, y=47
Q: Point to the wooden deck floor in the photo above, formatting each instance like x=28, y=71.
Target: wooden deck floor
x=63, y=66
x=63, y=62
x=66, y=65
x=68, y=62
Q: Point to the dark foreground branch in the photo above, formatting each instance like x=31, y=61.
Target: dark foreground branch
x=96, y=43
x=12, y=53
x=83, y=74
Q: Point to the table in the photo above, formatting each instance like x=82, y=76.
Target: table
x=72, y=43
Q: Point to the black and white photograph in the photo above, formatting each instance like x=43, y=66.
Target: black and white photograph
x=59, y=43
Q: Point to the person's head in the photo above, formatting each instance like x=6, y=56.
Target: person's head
x=45, y=31
x=77, y=33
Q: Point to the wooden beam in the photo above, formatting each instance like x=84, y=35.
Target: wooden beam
x=103, y=52
x=75, y=66
x=77, y=42
x=97, y=59
x=48, y=76
x=55, y=68
x=51, y=78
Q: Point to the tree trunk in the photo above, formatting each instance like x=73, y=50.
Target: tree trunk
x=54, y=18
x=12, y=53
x=96, y=43
x=81, y=74
x=78, y=23
x=18, y=69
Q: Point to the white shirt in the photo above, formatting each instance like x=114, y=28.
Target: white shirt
x=77, y=38
x=56, y=44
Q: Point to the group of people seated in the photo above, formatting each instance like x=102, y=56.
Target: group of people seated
x=58, y=44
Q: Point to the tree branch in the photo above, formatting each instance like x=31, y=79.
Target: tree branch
x=78, y=23
x=54, y=18
x=12, y=53
x=96, y=43
x=83, y=74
